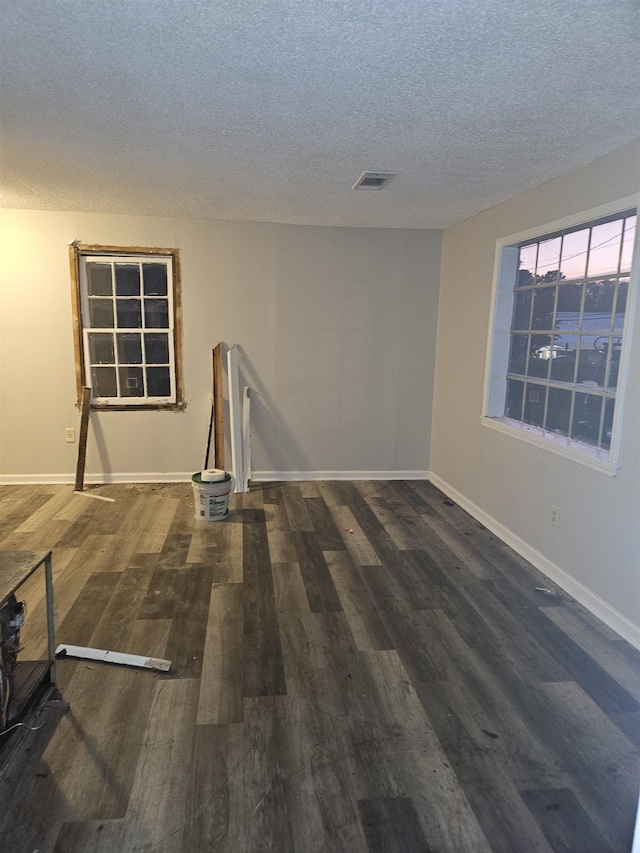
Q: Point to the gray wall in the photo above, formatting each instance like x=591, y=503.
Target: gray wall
x=337, y=328
x=596, y=544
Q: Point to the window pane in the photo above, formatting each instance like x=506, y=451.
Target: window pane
x=621, y=304
x=615, y=345
x=563, y=361
x=592, y=360
x=558, y=411
x=158, y=382
x=534, y=404
x=598, y=305
x=125, y=325
x=99, y=280
x=522, y=310
x=103, y=382
x=543, y=304
x=130, y=348
x=605, y=248
x=607, y=426
x=155, y=279
x=518, y=354
x=101, y=313
x=513, y=405
x=548, y=260
x=574, y=254
x=627, y=243
x=539, y=356
x=156, y=348
x=156, y=313
x=568, y=307
x=527, y=264
x=101, y=349
x=131, y=382
x=129, y=313
x=586, y=418
x=127, y=280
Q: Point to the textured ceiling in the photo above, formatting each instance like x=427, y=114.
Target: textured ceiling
x=271, y=109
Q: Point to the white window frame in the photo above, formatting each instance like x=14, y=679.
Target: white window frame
x=502, y=299
x=83, y=255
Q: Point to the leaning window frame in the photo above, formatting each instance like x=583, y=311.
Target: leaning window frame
x=77, y=251
x=502, y=299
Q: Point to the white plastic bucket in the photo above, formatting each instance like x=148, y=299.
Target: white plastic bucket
x=212, y=499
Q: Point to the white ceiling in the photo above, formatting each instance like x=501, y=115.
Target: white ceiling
x=270, y=109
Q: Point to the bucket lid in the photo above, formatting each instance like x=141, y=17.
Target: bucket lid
x=224, y=477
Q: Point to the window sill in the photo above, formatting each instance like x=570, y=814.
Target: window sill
x=590, y=457
x=138, y=407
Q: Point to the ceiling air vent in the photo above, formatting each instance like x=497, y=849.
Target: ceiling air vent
x=373, y=180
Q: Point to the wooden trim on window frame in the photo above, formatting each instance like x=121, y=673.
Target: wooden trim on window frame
x=75, y=251
x=74, y=263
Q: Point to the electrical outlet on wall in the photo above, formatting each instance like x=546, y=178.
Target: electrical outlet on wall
x=555, y=515
x=70, y=435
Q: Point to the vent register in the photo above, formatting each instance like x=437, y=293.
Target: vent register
x=373, y=180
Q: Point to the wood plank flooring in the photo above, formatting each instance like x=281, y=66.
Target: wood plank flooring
x=357, y=667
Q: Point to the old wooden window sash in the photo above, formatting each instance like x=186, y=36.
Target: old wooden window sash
x=127, y=323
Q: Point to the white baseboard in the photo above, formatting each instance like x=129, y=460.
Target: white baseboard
x=292, y=476
x=35, y=479
x=185, y=477
x=95, y=479
x=597, y=605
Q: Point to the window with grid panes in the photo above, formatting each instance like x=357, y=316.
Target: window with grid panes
x=562, y=355
x=127, y=304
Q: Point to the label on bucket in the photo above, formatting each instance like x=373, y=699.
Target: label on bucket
x=217, y=506
x=212, y=506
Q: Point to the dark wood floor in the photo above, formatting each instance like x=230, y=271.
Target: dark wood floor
x=356, y=667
